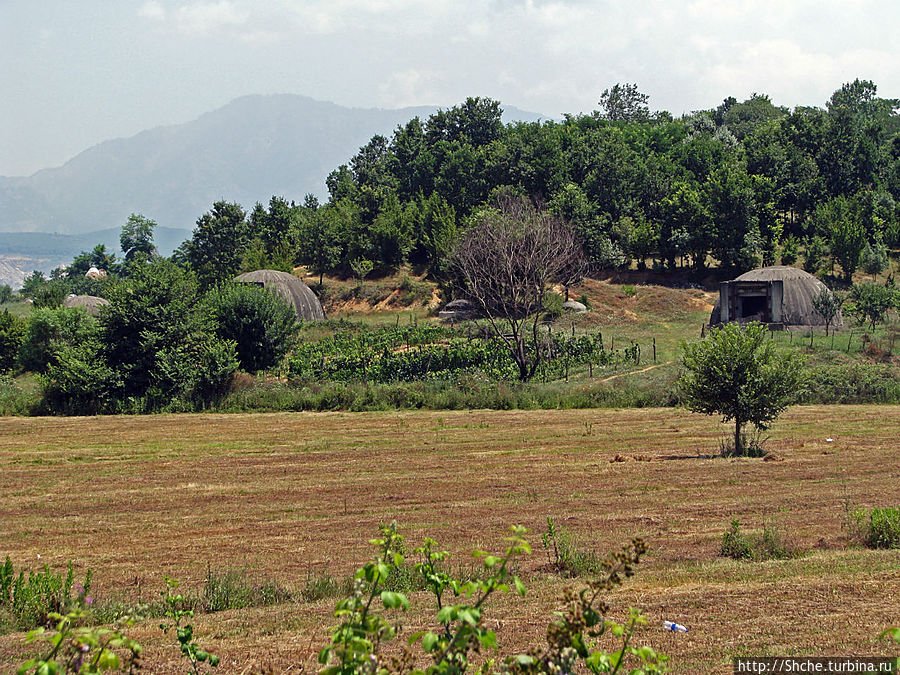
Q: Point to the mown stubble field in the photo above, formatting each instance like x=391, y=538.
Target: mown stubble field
x=284, y=495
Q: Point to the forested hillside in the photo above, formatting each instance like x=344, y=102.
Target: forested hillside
x=738, y=185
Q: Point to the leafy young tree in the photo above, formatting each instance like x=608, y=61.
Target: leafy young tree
x=816, y=250
x=738, y=373
x=320, y=247
x=505, y=263
x=624, y=103
x=871, y=302
x=875, y=259
x=827, y=304
x=217, y=246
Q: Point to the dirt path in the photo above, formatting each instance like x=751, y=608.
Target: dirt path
x=635, y=372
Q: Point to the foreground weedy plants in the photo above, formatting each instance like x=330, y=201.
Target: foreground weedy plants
x=35, y=600
x=357, y=642
x=74, y=648
x=184, y=632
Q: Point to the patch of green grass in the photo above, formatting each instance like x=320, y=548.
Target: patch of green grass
x=565, y=557
x=771, y=544
x=236, y=589
x=873, y=528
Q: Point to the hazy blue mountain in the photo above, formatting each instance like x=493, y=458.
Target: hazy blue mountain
x=246, y=151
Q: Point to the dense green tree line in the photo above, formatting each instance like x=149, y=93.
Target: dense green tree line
x=738, y=184
x=744, y=184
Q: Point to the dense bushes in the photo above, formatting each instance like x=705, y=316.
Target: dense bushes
x=260, y=323
x=12, y=333
x=51, y=329
x=853, y=383
x=873, y=528
x=155, y=349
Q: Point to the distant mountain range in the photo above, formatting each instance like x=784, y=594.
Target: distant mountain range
x=246, y=151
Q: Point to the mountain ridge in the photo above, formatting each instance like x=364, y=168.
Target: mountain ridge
x=251, y=148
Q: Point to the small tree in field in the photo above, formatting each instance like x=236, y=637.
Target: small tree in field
x=506, y=262
x=827, y=304
x=738, y=373
x=871, y=302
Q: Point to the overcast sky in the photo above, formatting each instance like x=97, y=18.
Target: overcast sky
x=74, y=73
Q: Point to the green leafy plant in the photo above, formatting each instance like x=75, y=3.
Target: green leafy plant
x=75, y=648
x=34, y=600
x=771, y=544
x=873, y=528
x=737, y=372
x=357, y=644
x=175, y=613
x=259, y=321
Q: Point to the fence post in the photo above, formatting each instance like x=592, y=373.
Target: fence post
x=654, y=349
x=849, y=340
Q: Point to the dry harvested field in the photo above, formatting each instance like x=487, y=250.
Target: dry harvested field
x=135, y=498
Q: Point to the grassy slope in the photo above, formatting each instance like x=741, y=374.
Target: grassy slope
x=139, y=497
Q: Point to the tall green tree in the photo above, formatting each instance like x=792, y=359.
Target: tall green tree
x=136, y=238
x=838, y=220
x=218, y=243
x=624, y=103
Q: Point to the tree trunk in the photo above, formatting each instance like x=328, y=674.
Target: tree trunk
x=738, y=447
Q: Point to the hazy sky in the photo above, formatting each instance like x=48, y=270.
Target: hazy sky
x=74, y=73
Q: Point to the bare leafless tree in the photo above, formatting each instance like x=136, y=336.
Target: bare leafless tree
x=506, y=262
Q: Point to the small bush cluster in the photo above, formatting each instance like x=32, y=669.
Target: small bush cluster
x=873, y=528
x=32, y=601
x=771, y=544
x=858, y=382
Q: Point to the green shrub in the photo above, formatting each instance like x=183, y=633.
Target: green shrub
x=858, y=382
x=874, y=528
x=12, y=334
x=49, y=330
x=259, y=321
x=15, y=400
x=235, y=589
x=771, y=544
x=51, y=294
x=79, y=382
x=30, y=600
x=735, y=544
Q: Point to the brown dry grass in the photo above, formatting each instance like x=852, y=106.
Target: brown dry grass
x=138, y=497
